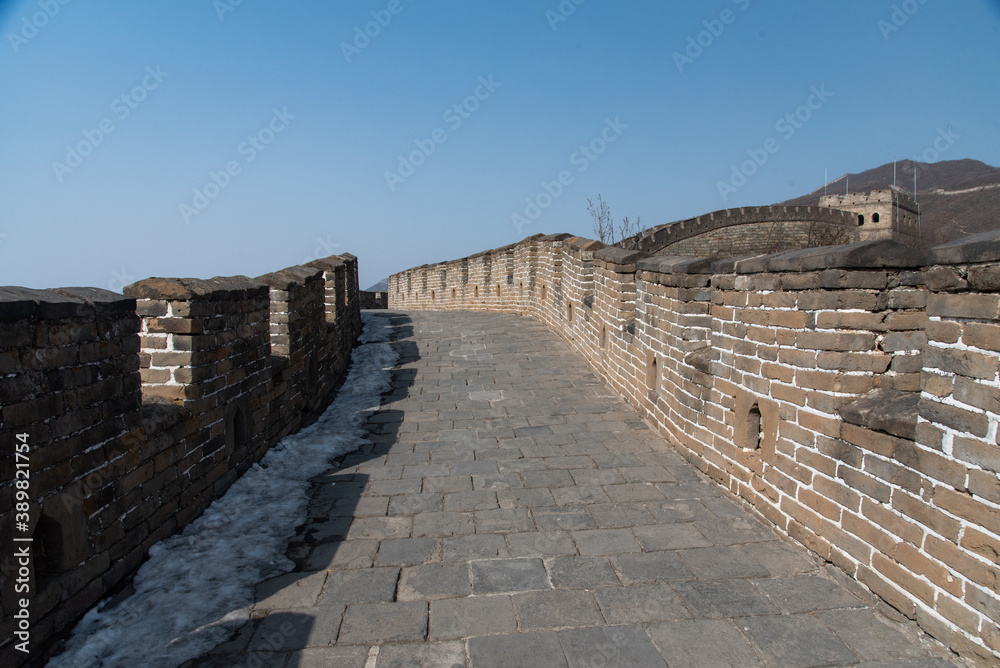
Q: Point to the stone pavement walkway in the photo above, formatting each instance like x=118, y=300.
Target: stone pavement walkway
x=512, y=511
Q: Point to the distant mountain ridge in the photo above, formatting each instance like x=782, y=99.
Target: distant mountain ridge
x=957, y=197
x=381, y=286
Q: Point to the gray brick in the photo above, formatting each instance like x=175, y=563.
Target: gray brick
x=502, y=576
x=476, y=616
x=372, y=623
x=550, y=609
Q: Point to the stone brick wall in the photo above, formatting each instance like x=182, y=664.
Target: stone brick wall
x=141, y=409
x=374, y=300
x=786, y=227
x=850, y=394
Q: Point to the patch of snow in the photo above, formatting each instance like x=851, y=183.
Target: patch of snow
x=198, y=586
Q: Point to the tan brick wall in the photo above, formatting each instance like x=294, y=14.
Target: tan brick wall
x=708, y=351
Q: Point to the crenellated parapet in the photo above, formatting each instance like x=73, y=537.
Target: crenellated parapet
x=141, y=409
x=848, y=393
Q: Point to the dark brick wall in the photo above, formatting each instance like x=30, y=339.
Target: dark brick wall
x=142, y=409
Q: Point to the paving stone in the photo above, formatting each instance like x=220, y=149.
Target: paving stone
x=475, y=468
x=479, y=546
x=366, y=506
x=541, y=544
x=796, y=640
x=521, y=650
x=779, y=558
x=605, y=541
x=408, y=551
x=324, y=657
x=575, y=496
x=641, y=604
x=504, y=520
x=735, y=531
x=497, y=481
x=870, y=635
x=581, y=572
x=384, y=622
x=472, y=616
x=551, y=609
x=444, y=485
x=394, y=487
x=720, y=563
x=807, y=593
x=558, y=464
x=470, y=501
x=430, y=655
x=342, y=554
x=724, y=598
x=680, y=511
x=292, y=590
x=508, y=575
x=434, y=581
x=670, y=537
x=411, y=504
x=633, y=492
x=298, y=628
x=525, y=498
x=651, y=567
x=613, y=515
x=563, y=518
x=381, y=528
x=619, y=646
x=703, y=643
x=596, y=477
x=368, y=585
x=443, y=524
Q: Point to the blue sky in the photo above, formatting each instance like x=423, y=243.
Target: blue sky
x=218, y=137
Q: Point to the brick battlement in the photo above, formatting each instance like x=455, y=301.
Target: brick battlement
x=848, y=393
x=141, y=409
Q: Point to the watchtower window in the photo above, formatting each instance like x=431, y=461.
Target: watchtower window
x=861, y=220
x=475, y=290
x=569, y=312
x=652, y=377
x=753, y=429
x=875, y=217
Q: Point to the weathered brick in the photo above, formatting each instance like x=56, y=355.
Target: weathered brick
x=945, y=279
x=842, y=341
x=968, y=507
x=965, y=362
x=982, y=544
x=959, y=419
x=965, y=306
x=979, y=335
x=924, y=513
x=944, y=331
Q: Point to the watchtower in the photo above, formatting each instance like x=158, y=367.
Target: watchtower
x=888, y=213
